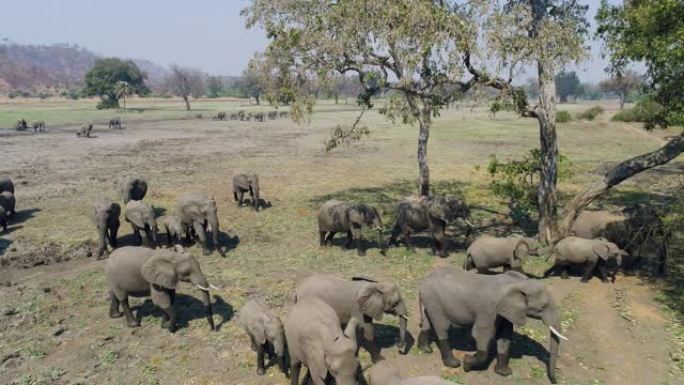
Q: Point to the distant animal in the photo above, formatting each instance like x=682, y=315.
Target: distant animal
x=429, y=213
x=85, y=130
x=141, y=272
x=272, y=115
x=3, y=219
x=198, y=116
x=21, y=125
x=361, y=298
x=142, y=218
x=134, y=188
x=234, y=116
x=173, y=227
x=265, y=332
x=105, y=215
x=196, y=211
x=259, y=117
x=243, y=183
x=6, y=184
x=8, y=201
x=492, y=305
x=488, y=252
x=283, y=114
x=594, y=254
x=241, y=114
x=383, y=373
x=38, y=125
x=115, y=123
x=316, y=340
x=335, y=216
x=248, y=116
x=220, y=116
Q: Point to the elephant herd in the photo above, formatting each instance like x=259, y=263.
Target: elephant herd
x=246, y=115
x=37, y=125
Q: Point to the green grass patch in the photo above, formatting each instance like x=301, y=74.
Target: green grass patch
x=591, y=113
x=563, y=117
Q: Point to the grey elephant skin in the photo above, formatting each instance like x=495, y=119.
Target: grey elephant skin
x=173, y=227
x=21, y=125
x=362, y=299
x=142, y=218
x=105, y=215
x=316, y=340
x=265, y=332
x=594, y=254
x=196, y=211
x=84, y=131
x=259, y=117
x=141, y=272
x=246, y=182
x=384, y=373
x=8, y=201
x=38, y=125
x=491, y=305
x=429, y=213
x=3, y=219
x=6, y=184
x=115, y=123
x=488, y=252
x=344, y=217
x=134, y=188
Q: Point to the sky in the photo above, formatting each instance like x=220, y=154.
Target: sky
x=206, y=34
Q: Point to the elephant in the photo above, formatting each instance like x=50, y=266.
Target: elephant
x=489, y=252
x=594, y=254
x=199, y=116
x=335, y=216
x=220, y=116
x=244, y=182
x=383, y=373
x=115, y=123
x=134, y=188
x=248, y=116
x=84, y=131
x=38, y=125
x=3, y=219
x=492, y=305
x=283, y=114
x=263, y=328
x=21, y=125
x=272, y=115
x=142, y=217
x=196, y=211
x=6, y=184
x=360, y=298
x=429, y=213
x=316, y=340
x=234, y=116
x=174, y=228
x=8, y=202
x=259, y=117
x=140, y=272
x=241, y=115
x=105, y=215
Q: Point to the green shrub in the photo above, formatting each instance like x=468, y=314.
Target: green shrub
x=626, y=115
x=591, y=113
x=563, y=117
x=649, y=112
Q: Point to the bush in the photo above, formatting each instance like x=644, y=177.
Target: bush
x=649, y=112
x=563, y=117
x=626, y=115
x=591, y=113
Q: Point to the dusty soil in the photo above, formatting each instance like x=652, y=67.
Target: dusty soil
x=54, y=326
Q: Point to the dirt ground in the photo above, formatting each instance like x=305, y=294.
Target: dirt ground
x=54, y=325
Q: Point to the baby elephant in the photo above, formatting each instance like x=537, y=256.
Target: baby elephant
x=488, y=252
x=385, y=374
x=105, y=215
x=174, y=229
x=246, y=182
x=592, y=253
x=8, y=202
x=336, y=216
x=263, y=328
x=142, y=218
x=85, y=130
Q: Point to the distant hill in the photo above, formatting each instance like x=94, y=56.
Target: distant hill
x=34, y=68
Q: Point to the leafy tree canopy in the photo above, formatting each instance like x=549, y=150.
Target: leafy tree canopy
x=106, y=77
x=568, y=84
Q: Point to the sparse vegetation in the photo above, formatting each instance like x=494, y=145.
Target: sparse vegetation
x=563, y=117
x=591, y=113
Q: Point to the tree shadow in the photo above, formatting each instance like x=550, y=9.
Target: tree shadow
x=23, y=215
x=188, y=308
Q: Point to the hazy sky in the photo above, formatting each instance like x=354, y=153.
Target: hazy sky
x=207, y=34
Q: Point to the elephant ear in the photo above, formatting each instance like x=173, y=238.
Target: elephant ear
x=316, y=357
x=513, y=307
x=371, y=301
x=437, y=208
x=159, y=271
x=601, y=249
x=136, y=218
x=522, y=249
x=257, y=332
x=356, y=216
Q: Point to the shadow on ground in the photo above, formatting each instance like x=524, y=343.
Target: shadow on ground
x=188, y=308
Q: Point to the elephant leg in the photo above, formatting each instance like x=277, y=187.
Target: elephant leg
x=448, y=358
x=241, y=195
x=347, y=244
x=235, y=197
x=588, y=271
x=424, y=341
x=200, y=230
x=114, y=307
x=260, y=359
x=138, y=237
x=369, y=340
x=504, y=333
x=425, y=330
x=169, y=322
x=440, y=245
x=328, y=239
x=322, y=235
x=251, y=198
x=407, y=240
x=130, y=320
x=441, y=327
x=396, y=230
x=603, y=273
x=483, y=332
x=565, y=271
x=358, y=239
x=295, y=367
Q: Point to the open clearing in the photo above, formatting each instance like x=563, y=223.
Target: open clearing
x=54, y=325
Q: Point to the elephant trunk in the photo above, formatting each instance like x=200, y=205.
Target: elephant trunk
x=551, y=319
x=256, y=197
x=403, y=322
x=213, y=222
x=103, y=242
x=206, y=299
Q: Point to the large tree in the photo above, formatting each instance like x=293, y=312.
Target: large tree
x=622, y=84
x=185, y=83
x=255, y=77
x=568, y=84
x=106, y=76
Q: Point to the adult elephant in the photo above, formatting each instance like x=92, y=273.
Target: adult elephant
x=6, y=184
x=115, y=123
x=134, y=188
x=429, y=213
x=488, y=252
x=85, y=130
x=593, y=254
x=8, y=201
x=243, y=183
x=21, y=125
x=197, y=210
x=492, y=305
x=364, y=299
x=142, y=218
x=105, y=215
x=335, y=216
x=141, y=272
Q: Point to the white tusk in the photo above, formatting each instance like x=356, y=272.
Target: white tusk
x=378, y=228
x=468, y=223
x=214, y=287
x=202, y=287
x=404, y=317
x=557, y=333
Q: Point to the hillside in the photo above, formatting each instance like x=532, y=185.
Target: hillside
x=59, y=66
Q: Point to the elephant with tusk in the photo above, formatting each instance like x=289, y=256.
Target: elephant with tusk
x=141, y=272
x=343, y=217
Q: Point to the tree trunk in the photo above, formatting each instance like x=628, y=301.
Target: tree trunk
x=187, y=103
x=258, y=102
x=425, y=122
x=622, y=97
x=617, y=175
x=546, y=197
